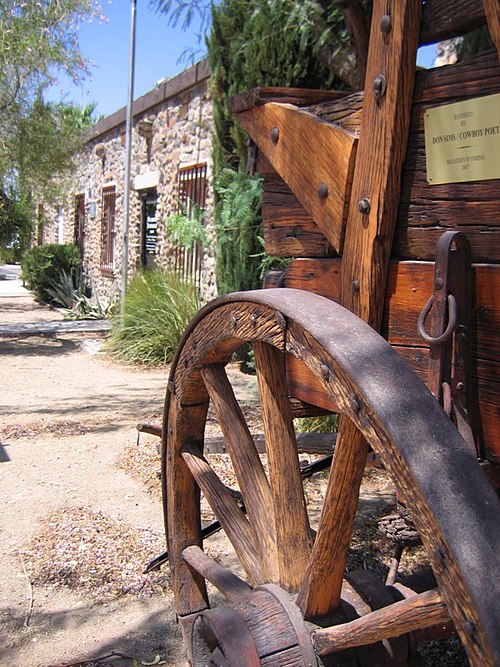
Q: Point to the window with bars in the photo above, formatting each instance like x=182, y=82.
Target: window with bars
x=108, y=214
x=192, y=189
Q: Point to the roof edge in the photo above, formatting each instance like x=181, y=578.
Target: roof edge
x=197, y=73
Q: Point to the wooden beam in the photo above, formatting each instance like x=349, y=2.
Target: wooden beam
x=314, y=158
x=370, y=230
x=414, y=613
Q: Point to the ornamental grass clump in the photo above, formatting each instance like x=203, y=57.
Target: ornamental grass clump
x=158, y=307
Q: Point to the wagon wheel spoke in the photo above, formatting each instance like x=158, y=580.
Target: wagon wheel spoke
x=227, y=510
x=293, y=532
x=247, y=466
x=321, y=589
x=225, y=580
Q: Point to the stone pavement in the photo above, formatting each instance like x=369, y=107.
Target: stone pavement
x=21, y=315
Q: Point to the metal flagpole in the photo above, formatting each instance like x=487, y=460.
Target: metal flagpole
x=128, y=154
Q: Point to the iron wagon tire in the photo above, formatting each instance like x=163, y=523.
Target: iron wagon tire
x=452, y=504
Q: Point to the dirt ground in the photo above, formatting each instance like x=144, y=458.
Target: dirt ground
x=67, y=416
x=81, y=506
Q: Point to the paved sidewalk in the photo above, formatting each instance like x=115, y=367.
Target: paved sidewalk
x=64, y=326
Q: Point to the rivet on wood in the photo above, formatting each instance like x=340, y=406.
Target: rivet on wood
x=385, y=24
x=355, y=404
x=355, y=286
x=275, y=135
x=364, y=205
x=438, y=556
x=468, y=629
x=379, y=86
x=326, y=373
x=323, y=191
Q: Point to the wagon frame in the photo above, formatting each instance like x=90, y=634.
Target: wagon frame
x=344, y=183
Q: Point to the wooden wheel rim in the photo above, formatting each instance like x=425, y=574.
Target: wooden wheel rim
x=454, y=508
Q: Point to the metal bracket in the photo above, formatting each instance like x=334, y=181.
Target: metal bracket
x=449, y=308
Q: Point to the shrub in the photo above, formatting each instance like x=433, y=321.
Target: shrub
x=43, y=266
x=157, y=308
x=69, y=292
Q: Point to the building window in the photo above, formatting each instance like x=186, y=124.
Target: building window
x=192, y=187
x=108, y=213
x=80, y=222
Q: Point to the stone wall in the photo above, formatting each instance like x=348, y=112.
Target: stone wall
x=171, y=131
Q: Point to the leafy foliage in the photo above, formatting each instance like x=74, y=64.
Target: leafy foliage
x=43, y=266
x=237, y=224
x=157, y=308
x=265, y=43
x=38, y=39
x=69, y=292
x=184, y=230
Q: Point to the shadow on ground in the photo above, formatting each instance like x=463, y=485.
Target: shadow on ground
x=156, y=634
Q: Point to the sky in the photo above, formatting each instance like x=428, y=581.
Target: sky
x=158, y=50
x=107, y=44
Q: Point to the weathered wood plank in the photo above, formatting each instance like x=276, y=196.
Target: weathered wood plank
x=444, y=19
x=293, y=532
x=414, y=613
x=492, y=11
x=309, y=155
x=225, y=580
x=409, y=286
x=368, y=240
x=181, y=503
x=247, y=467
x=265, y=94
x=289, y=230
x=227, y=511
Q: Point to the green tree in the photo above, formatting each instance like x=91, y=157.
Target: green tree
x=38, y=41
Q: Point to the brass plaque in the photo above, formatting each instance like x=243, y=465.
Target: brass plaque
x=462, y=141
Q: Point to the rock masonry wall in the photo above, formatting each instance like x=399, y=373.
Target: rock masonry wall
x=171, y=130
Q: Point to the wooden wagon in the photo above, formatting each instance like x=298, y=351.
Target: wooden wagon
x=388, y=203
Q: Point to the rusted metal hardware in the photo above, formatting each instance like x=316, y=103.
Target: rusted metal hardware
x=449, y=309
x=322, y=190
x=379, y=86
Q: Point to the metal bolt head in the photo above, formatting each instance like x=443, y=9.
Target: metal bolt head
x=364, y=205
x=275, y=135
x=379, y=86
x=355, y=286
x=385, y=24
x=438, y=283
x=322, y=191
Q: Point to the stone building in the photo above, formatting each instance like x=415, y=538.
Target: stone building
x=170, y=173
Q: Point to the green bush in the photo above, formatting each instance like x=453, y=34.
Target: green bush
x=238, y=223
x=43, y=266
x=158, y=307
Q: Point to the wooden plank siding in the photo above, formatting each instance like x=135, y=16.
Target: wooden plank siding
x=425, y=211
x=409, y=286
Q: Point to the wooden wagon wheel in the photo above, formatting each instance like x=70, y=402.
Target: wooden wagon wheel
x=452, y=505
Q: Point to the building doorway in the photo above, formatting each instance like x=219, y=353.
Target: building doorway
x=149, y=229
